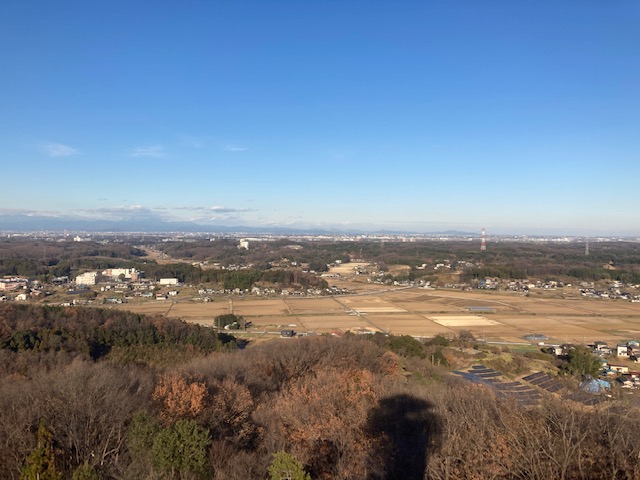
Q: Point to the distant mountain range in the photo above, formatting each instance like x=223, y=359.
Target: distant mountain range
x=32, y=223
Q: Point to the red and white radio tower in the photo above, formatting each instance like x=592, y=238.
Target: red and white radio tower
x=483, y=241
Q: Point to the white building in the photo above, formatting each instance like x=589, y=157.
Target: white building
x=244, y=243
x=128, y=273
x=168, y=281
x=88, y=278
x=622, y=350
x=12, y=284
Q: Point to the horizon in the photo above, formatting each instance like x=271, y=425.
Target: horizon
x=39, y=226
x=349, y=117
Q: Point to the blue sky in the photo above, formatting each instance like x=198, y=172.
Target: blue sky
x=428, y=115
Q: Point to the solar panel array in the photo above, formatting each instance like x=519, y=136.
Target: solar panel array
x=524, y=394
x=550, y=384
x=544, y=381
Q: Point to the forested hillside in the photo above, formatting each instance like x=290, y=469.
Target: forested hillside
x=607, y=260
x=508, y=260
x=31, y=258
x=337, y=408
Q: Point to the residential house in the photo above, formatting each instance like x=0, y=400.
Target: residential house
x=622, y=350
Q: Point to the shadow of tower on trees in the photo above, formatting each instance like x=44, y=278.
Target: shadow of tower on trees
x=409, y=431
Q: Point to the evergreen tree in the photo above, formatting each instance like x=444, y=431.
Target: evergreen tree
x=182, y=448
x=582, y=361
x=285, y=466
x=41, y=463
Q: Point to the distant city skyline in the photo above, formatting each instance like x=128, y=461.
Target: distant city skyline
x=143, y=223
x=348, y=116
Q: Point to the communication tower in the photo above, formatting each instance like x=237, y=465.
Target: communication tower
x=483, y=241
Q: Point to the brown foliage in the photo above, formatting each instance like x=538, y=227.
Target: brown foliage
x=389, y=363
x=230, y=411
x=485, y=437
x=341, y=406
x=179, y=398
x=322, y=420
x=87, y=408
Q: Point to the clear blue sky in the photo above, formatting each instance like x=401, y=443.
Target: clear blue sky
x=519, y=115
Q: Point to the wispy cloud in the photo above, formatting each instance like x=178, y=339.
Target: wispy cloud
x=58, y=150
x=208, y=214
x=29, y=213
x=128, y=212
x=215, y=208
x=221, y=209
x=235, y=148
x=151, y=151
x=160, y=214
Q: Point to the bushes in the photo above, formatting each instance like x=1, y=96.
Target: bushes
x=343, y=407
x=581, y=361
x=406, y=346
x=222, y=321
x=510, y=364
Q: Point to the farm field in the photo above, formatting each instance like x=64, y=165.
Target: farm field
x=494, y=316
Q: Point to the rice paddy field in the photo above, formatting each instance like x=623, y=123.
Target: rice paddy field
x=494, y=316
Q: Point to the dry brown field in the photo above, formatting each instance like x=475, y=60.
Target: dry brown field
x=333, y=323
x=314, y=305
x=195, y=309
x=250, y=307
x=369, y=304
x=347, y=269
x=426, y=312
x=151, y=307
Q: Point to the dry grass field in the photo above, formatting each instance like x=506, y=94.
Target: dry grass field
x=146, y=308
x=425, y=312
x=196, y=309
x=347, y=270
x=314, y=305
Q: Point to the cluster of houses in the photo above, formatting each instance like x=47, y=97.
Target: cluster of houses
x=11, y=284
x=525, y=285
x=615, y=291
x=20, y=289
x=586, y=288
x=447, y=265
x=120, y=279
x=627, y=350
x=206, y=293
x=126, y=281
x=109, y=275
x=624, y=374
x=630, y=350
x=402, y=283
x=495, y=283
